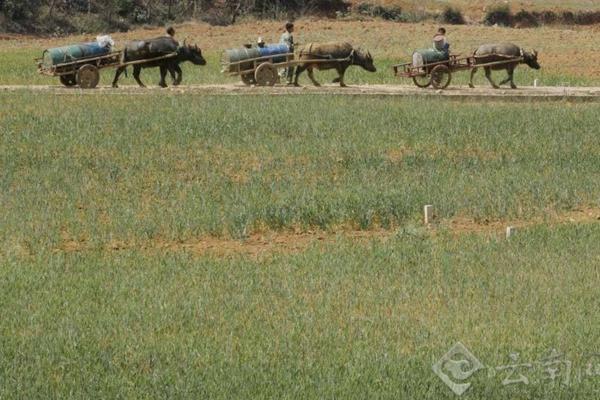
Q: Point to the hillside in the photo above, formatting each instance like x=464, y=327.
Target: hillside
x=57, y=18
x=476, y=9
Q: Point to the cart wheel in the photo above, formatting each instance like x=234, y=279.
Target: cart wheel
x=88, y=76
x=441, y=77
x=68, y=80
x=265, y=74
x=248, y=79
x=422, y=80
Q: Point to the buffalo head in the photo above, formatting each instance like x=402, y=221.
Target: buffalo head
x=531, y=59
x=365, y=60
x=191, y=53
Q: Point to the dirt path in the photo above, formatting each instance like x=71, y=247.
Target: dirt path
x=459, y=92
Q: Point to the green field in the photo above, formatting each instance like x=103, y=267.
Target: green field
x=341, y=321
x=338, y=319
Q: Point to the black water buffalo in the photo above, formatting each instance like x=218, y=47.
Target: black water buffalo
x=333, y=51
x=489, y=53
x=154, y=48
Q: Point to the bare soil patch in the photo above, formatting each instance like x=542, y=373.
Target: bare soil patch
x=270, y=242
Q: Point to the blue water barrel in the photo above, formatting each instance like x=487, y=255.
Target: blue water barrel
x=235, y=55
x=273, y=50
x=60, y=55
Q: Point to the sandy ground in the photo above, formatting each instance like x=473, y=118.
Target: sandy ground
x=482, y=92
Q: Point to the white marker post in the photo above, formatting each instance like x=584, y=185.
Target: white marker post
x=510, y=231
x=428, y=214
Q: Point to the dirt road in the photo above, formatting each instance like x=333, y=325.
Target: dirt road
x=459, y=92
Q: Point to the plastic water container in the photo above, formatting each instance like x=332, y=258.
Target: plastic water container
x=273, y=50
x=235, y=55
x=60, y=55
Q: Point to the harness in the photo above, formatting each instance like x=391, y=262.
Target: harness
x=351, y=56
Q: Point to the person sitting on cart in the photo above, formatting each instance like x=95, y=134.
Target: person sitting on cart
x=288, y=38
x=440, y=42
x=171, y=34
x=260, y=42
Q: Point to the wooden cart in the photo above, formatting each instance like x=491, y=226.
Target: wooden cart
x=262, y=71
x=85, y=72
x=439, y=74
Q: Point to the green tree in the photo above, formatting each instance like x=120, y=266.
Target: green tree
x=21, y=10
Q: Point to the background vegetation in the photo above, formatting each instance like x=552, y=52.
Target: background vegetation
x=59, y=17
x=67, y=16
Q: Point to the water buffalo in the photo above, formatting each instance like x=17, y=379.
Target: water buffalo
x=153, y=48
x=489, y=53
x=333, y=51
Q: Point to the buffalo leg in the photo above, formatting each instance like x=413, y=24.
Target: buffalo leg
x=163, y=75
x=511, y=77
x=299, y=70
x=173, y=74
x=172, y=68
x=473, y=72
x=136, y=75
x=178, y=73
x=507, y=78
x=309, y=70
x=341, y=72
x=488, y=75
x=339, y=77
x=117, y=75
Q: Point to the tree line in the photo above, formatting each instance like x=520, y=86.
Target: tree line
x=68, y=16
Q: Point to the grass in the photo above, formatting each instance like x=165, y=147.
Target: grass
x=340, y=319
x=133, y=168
